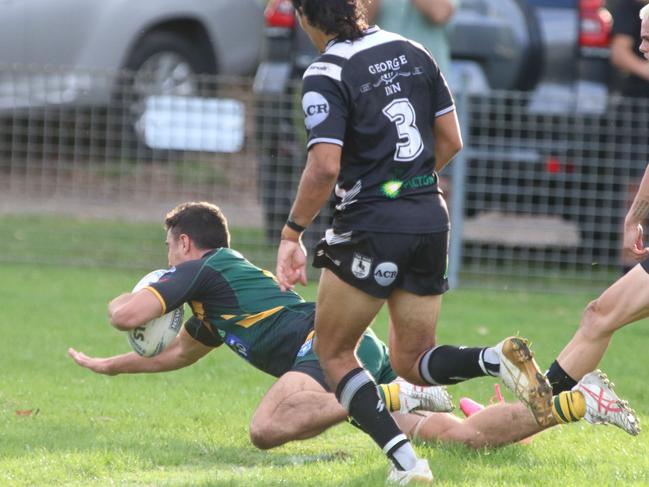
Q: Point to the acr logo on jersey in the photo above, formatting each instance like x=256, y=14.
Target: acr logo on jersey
x=316, y=109
x=385, y=273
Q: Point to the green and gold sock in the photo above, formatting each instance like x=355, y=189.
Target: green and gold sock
x=568, y=407
x=390, y=395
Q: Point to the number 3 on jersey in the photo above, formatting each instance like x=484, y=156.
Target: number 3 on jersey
x=402, y=114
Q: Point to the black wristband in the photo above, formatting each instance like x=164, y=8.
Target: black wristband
x=294, y=226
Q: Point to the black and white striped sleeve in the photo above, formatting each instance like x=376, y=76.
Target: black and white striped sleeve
x=324, y=102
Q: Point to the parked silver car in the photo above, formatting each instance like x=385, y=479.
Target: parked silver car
x=85, y=43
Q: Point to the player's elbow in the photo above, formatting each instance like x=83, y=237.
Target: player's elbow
x=122, y=319
x=455, y=145
x=325, y=173
x=323, y=165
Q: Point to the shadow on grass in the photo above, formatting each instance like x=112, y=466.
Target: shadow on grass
x=62, y=439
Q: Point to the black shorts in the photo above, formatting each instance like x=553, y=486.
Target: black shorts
x=377, y=263
x=312, y=369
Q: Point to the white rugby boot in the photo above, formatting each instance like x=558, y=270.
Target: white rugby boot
x=419, y=474
x=423, y=398
x=521, y=375
x=603, y=406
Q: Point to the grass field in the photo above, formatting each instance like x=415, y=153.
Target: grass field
x=190, y=427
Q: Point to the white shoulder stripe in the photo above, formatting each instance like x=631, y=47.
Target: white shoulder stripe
x=420, y=47
x=376, y=38
x=444, y=111
x=325, y=140
x=323, y=69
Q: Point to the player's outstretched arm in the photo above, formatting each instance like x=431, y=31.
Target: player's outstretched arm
x=183, y=351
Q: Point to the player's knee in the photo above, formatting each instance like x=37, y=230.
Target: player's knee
x=263, y=436
x=406, y=367
x=595, y=322
x=407, y=373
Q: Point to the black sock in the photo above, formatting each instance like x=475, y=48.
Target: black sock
x=357, y=393
x=446, y=364
x=355, y=424
x=559, y=379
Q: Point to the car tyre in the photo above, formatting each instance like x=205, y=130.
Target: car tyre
x=160, y=63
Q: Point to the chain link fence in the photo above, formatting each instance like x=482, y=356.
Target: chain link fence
x=544, y=195
x=534, y=198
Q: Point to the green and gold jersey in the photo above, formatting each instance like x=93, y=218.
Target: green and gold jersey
x=241, y=305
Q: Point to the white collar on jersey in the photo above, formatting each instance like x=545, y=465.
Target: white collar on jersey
x=372, y=29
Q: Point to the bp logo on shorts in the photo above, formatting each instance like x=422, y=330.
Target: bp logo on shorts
x=385, y=273
x=316, y=109
x=361, y=266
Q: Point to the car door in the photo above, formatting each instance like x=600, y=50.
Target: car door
x=12, y=89
x=58, y=30
x=12, y=32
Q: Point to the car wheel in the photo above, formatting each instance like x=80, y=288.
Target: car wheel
x=162, y=63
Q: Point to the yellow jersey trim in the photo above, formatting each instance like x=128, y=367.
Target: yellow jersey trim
x=157, y=295
x=251, y=320
x=309, y=336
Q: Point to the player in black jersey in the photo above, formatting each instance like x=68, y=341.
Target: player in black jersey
x=381, y=124
x=239, y=305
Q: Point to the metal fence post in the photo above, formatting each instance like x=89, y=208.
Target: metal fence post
x=458, y=168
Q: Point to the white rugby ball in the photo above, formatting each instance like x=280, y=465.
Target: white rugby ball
x=154, y=336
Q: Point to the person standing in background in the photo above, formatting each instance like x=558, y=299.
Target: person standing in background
x=625, y=55
x=632, y=83
x=423, y=21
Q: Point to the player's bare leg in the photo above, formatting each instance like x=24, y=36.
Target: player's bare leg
x=626, y=301
x=494, y=426
x=342, y=315
x=412, y=353
x=296, y=407
x=592, y=399
x=412, y=331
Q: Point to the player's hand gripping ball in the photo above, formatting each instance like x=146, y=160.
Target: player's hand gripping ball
x=153, y=337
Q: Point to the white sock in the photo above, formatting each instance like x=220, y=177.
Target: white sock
x=406, y=457
x=491, y=361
